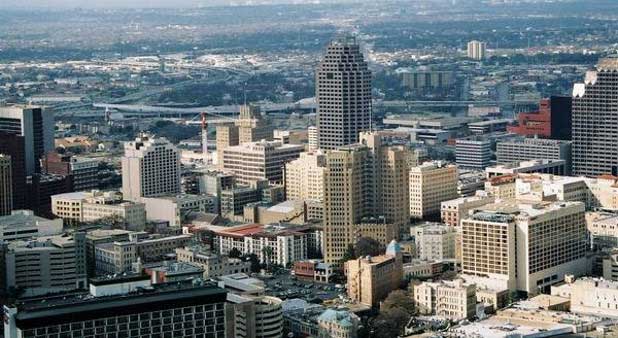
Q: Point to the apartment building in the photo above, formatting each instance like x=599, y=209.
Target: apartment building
x=452, y=300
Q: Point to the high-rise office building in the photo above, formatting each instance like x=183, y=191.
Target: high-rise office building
x=36, y=125
x=476, y=50
x=150, y=168
x=524, y=246
x=431, y=184
x=83, y=171
x=343, y=94
x=252, y=127
x=13, y=145
x=304, y=181
x=262, y=160
x=595, y=122
x=474, y=153
x=227, y=136
x=364, y=194
x=6, y=185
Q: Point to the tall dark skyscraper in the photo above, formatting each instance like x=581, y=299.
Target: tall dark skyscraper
x=595, y=121
x=343, y=94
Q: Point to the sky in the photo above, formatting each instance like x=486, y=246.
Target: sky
x=135, y=3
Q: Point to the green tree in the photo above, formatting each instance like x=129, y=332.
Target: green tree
x=234, y=253
x=267, y=251
x=399, y=299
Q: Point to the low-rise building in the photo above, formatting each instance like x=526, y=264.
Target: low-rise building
x=213, y=265
x=84, y=206
x=434, y=241
x=46, y=264
x=337, y=324
x=452, y=300
x=170, y=272
x=554, y=167
x=174, y=209
x=253, y=316
x=371, y=279
x=23, y=225
x=452, y=211
x=314, y=270
x=590, y=296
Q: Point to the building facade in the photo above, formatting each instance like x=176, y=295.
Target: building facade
x=6, y=185
x=533, y=149
x=343, y=94
x=448, y=299
x=150, y=168
x=431, y=184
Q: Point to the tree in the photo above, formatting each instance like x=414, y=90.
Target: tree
x=366, y=246
x=234, y=253
x=254, y=260
x=390, y=323
x=399, y=299
x=267, y=251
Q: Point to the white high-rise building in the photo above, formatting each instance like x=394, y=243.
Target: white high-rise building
x=312, y=138
x=476, y=50
x=150, y=168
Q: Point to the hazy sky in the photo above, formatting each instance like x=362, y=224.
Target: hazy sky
x=135, y=3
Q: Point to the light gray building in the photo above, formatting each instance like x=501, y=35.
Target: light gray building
x=474, y=153
x=343, y=94
x=47, y=264
x=510, y=151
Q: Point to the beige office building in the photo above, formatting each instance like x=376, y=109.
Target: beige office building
x=365, y=193
x=431, y=184
x=524, y=246
x=452, y=300
x=304, y=181
x=590, y=296
x=501, y=187
x=227, y=136
x=6, y=185
x=434, y=241
x=252, y=127
x=78, y=207
x=476, y=50
x=262, y=160
x=150, y=168
x=371, y=279
x=453, y=211
x=214, y=265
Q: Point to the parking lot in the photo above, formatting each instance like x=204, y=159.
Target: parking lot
x=286, y=286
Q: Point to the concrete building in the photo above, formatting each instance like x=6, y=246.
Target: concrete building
x=253, y=316
x=174, y=209
x=262, y=160
x=82, y=170
x=213, y=265
x=290, y=211
x=451, y=300
x=24, y=225
x=533, y=149
x=281, y=244
x=554, y=167
x=233, y=201
x=594, y=129
x=364, y=192
x=547, y=187
x=312, y=138
x=304, y=178
x=252, y=127
x=524, y=246
x=428, y=79
x=431, y=184
x=371, y=279
x=78, y=207
x=118, y=257
x=473, y=153
x=172, y=272
x=602, y=230
x=41, y=187
x=501, y=187
x=476, y=50
x=150, y=168
x=47, y=264
x=6, y=185
x=174, y=310
x=590, y=296
x=434, y=241
x=453, y=211
x=227, y=136
x=343, y=94
x=35, y=125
